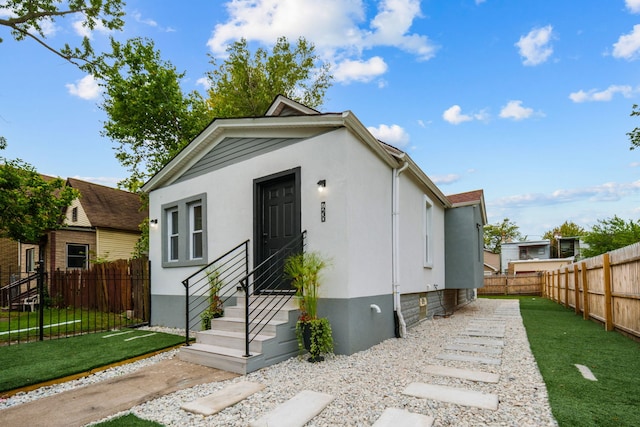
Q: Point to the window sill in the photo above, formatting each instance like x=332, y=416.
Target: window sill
x=183, y=263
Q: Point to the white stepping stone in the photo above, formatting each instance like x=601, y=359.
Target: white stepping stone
x=474, y=348
x=586, y=372
x=223, y=398
x=480, y=341
x=458, y=396
x=472, y=333
x=295, y=412
x=464, y=374
x=465, y=358
x=394, y=417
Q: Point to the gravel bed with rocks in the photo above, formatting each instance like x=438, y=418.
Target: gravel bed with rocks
x=366, y=383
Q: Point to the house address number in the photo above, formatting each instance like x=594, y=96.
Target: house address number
x=323, y=211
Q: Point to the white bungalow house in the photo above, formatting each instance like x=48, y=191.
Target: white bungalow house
x=399, y=249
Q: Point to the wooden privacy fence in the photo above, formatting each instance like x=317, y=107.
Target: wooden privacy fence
x=605, y=288
x=522, y=284
x=113, y=287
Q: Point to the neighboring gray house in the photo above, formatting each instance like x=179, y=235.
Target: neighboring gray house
x=520, y=251
x=400, y=250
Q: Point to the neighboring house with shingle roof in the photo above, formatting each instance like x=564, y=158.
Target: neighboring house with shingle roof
x=101, y=224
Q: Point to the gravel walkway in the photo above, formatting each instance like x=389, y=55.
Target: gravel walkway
x=367, y=383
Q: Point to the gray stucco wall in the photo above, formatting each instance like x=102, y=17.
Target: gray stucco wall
x=464, y=263
x=355, y=325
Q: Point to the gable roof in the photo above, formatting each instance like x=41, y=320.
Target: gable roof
x=108, y=207
x=469, y=198
x=288, y=118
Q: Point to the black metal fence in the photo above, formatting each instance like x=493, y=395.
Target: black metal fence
x=43, y=306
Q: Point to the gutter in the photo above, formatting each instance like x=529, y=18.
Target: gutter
x=401, y=326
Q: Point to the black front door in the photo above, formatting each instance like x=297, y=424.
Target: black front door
x=277, y=225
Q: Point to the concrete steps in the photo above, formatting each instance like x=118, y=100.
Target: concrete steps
x=223, y=346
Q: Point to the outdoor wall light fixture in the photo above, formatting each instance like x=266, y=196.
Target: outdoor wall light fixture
x=153, y=222
x=322, y=184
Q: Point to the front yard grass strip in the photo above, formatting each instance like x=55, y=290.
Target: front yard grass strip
x=34, y=363
x=559, y=339
x=128, y=420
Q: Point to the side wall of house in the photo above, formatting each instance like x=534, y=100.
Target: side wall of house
x=113, y=245
x=418, y=274
x=464, y=248
x=8, y=260
x=56, y=257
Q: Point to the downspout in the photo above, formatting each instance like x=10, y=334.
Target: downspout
x=401, y=326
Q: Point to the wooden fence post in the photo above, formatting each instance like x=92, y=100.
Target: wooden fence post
x=566, y=287
x=585, y=292
x=606, y=271
x=576, y=289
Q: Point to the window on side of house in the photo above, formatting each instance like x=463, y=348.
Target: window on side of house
x=184, y=232
x=427, y=231
x=77, y=255
x=195, y=230
x=74, y=214
x=29, y=260
x=173, y=234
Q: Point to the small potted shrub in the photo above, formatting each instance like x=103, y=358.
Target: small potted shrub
x=313, y=333
x=215, y=308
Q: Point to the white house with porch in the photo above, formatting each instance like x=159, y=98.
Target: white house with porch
x=257, y=189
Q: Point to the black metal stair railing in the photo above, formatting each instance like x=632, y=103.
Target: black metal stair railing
x=268, y=279
x=225, y=273
x=230, y=272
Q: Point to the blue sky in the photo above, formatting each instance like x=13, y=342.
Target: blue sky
x=528, y=100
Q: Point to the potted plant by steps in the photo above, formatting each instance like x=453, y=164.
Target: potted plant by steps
x=215, y=308
x=314, y=333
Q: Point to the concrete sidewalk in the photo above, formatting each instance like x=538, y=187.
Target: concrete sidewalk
x=94, y=402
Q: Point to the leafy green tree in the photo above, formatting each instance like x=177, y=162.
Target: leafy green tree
x=497, y=234
x=610, y=234
x=634, y=135
x=567, y=229
x=31, y=205
x=29, y=19
x=245, y=85
x=150, y=118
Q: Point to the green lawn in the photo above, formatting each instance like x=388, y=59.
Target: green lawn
x=560, y=339
x=36, y=362
x=23, y=326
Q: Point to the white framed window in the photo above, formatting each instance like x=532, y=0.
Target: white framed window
x=77, y=255
x=427, y=231
x=173, y=234
x=184, y=232
x=195, y=230
x=30, y=260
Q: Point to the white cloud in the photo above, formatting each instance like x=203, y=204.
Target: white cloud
x=515, y=111
x=204, y=82
x=360, y=71
x=445, y=179
x=607, y=192
x=535, y=46
x=147, y=21
x=339, y=29
x=85, y=88
x=628, y=45
x=454, y=115
x=394, y=134
x=633, y=6
x=604, y=95
x=83, y=31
